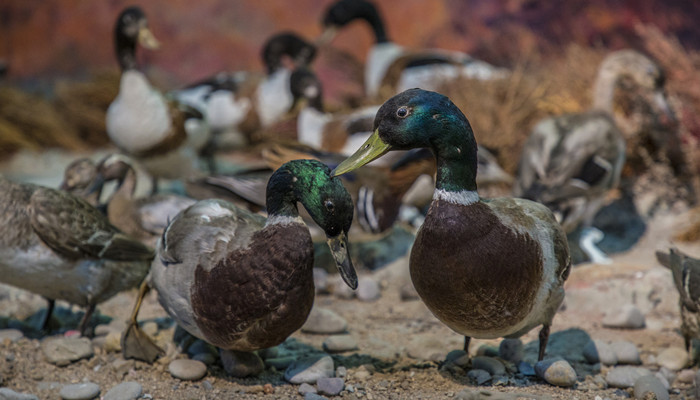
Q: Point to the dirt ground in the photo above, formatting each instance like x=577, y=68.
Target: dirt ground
x=389, y=332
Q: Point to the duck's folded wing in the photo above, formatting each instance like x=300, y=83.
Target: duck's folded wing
x=686, y=276
x=155, y=213
x=72, y=227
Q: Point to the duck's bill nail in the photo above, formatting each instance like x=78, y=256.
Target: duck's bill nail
x=326, y=36
x=370, y=150
x=341, y=254
x=147, y=40
x=97, y=184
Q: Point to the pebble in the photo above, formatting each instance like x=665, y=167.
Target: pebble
x=240, y=364
x=686, y=376
x=113, y=342
x=556, y=372
x=341, y=372
x=80, y=391
x=12, y=335
x=330, y=386
x=124, y=391
x=150, y=328
x=673, y=358
x=408, y=293
x=7, y=394
x=206, y=358
x=187, y=370
x=310, y=369
x=511, y=350
x=122, y=367
x=426, y=348
x=626, y=352
x=625, y=377
x=324, y=321
x=650, y=383
x=339, y=343
x=280, y=363
x=61, y=351
x=305, y=388
x=457, y=357
x=321, y=280
x=270, y=352
x=487, y=350
x=629, y=317
x=340, y=289
x=314, y=396
x=479, y=376
x=697, y=385
x=368, y=289
x=102, y=330
x=598, y=351
x=526, y=368
x=489, y=364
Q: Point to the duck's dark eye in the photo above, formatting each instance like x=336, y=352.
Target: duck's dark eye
x=329, y=205
x=402, y=112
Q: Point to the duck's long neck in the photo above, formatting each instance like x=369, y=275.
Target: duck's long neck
x=126, y=52
x=377, y=25
x=126, y=187
x=456, y=166
x=604, y=88
x=281, y=202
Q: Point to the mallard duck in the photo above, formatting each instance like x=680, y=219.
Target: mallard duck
x=686, y=277
x=242, y=282
x=58, y=246
x=571, y=162
x=486, y=268
x=390, y=68
x=164, y=137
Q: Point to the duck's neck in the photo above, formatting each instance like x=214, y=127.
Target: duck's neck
x=126, y=187
x=370, y=14
x=456, y=165
x=604, y=87
x=126, y=52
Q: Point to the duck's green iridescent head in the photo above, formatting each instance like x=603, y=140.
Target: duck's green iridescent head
x=326, y=200
x=419, y=118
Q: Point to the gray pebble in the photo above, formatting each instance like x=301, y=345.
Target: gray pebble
x=207, y=385
x=321, y=280
x=7, y=394
x=341, y=372
x=557, y=372
x=487, y=350
x=124, y=391
x=324, y=321
x=650, y=383
x=305, y=388
x=206, y=358
x=368, y=289
x=280, y=363
x=314, y=396
x=240, y=364
x=80, y=391
x=511, y=350
x=624, y=377
x=122, y=367
x=629, y=317
x=340, y=289
x=598, y=351
x=673, y=358
x=201, y=347
x=187, y=370
x=686, y=376
x=429, y=348
x=491, y=365
x=479, y=376
x=61, y=351
x=102, y=330
x=454, y=355
x=330, y=386
x=339, y=343
x=626, y=352
x=669, y=376
x=309, y=369
x=408, y=292
x=663, y=380
x=12, y=334
x=526, y=368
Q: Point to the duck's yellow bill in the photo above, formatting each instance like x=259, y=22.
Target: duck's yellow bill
x=373, y=148
x=147, y=40
x=341, y=254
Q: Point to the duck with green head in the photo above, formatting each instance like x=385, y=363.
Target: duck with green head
x=486, y=268
x=242, y=282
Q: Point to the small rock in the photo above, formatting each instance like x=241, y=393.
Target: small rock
x=12, y=335
x=80, y=391
x=598, y=351
x=102, y=330
x=187, y=370
x=663, y=380
x=556, y=372
x=340, y=289
x=625, y=377
x=362, y=373
x=526, y=368
x=667, y=374
x=454, y=355
x=330, y=386
x=324, y=321
x=240, y=364
x=697, y=385
x=122, y=367
x=314, y=396
x=626, y=352
x=113, y=342
x=511, y=350
x=124, y=391
x=61, y=351
x=686, y=376
x=339, y=343
x=305, y=388
x=206, y=358
x=408, y=293
x=341, y=372
x=479, y=376
x=673, y=358
x=368, y=289
x=487, y=350
x=428, y=348
x=650, y=383
x=309, y=370
x=7, y=394
x=629, y=317
x=280, y=363
x=150, y=328
x=491, y=365
x=321, y=280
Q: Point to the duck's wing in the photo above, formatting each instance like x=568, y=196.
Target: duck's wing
x=72, y=227
x=686, y=276
x=156, y=212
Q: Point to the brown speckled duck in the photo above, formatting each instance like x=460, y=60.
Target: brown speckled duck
x=58, y=246
x=487, y=268
x=242, y=282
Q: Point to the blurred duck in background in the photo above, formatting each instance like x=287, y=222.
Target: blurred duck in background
x=572, y=162
x=57, y=245
x=391, y=68
x=163, y=136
